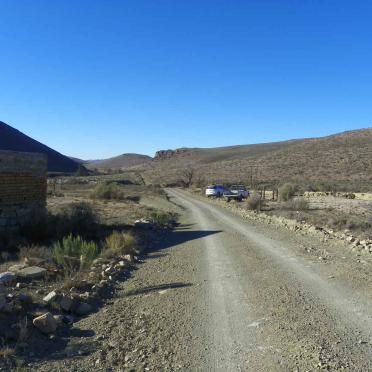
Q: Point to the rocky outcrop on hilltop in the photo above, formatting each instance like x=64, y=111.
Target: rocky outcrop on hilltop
x=169, y=154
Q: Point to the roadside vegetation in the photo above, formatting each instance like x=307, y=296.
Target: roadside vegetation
x=87, y=218
x=287, y=191
x=118, y=244
x=254, y=202
x=331, y=208
x=74, y=253
x=108, y=191
x=93, y=230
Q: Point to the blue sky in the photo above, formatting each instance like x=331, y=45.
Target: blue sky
x=95, y=79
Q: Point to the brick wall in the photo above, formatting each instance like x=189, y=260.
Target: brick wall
x=22, y=188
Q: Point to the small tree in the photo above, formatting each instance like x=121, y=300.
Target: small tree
x=188, y=176
x=287, y=191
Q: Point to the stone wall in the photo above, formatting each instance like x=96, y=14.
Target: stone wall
x=23, y=186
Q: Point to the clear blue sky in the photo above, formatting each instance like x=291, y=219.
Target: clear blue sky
x=95, y=79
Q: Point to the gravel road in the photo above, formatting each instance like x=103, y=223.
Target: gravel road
x=224, y=294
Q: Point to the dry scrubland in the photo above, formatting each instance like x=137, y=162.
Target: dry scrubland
x=341, y=162
x=337, y=213
x=67, y=262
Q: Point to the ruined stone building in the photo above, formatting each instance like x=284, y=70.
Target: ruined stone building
x=23, y=187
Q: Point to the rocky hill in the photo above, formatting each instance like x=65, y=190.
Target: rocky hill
x=171, y=154
x=14, y=140
x=344, y=157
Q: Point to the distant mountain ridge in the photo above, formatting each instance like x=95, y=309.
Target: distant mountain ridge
x=342, y=157
x=13, y=140
x=123, y=161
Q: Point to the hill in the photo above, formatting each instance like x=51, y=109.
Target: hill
x=344, y=158
x=123, y=161
x=14, y=140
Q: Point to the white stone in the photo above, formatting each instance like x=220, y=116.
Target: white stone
x=50, y=296
x=128, y=257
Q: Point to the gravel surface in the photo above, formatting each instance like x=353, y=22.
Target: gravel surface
x=220, y=293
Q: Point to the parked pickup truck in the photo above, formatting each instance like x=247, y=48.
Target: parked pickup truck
x=237, y=192
x=214, y=190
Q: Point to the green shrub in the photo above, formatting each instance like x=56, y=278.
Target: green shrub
x=74, y=253
x=108, y=191
x=118, y=244
x=287, y=191
x=254, y=203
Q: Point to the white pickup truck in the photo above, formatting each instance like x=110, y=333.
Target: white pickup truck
x=214, y=190
x=237, y=192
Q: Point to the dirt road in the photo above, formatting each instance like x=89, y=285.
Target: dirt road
x=223, y=294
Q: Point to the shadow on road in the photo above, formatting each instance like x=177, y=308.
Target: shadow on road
x=155, y=288
x=178, y=236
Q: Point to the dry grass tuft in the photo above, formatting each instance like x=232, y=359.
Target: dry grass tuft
x=6, y=352
x=254, y=203
x=118, y=244
x=35, y=251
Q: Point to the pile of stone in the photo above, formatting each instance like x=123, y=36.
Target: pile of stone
x=364, y=245
x=12, y=285
x=102, y=273
x=59, y=306
x=319, y=194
